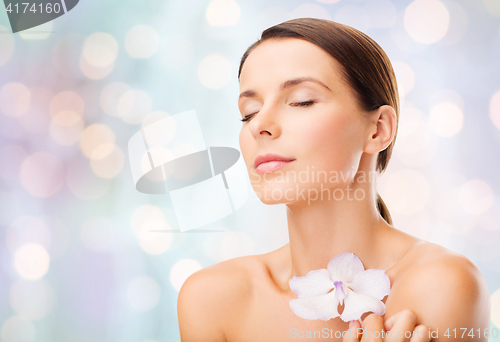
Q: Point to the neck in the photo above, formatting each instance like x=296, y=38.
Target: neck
x=322, y=229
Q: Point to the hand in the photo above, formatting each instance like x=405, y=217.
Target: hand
x=392, y=330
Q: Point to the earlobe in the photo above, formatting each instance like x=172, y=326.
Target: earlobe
x=382, y=129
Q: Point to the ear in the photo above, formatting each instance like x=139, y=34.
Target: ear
x=381, y=129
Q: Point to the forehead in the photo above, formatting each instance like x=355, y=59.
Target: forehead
x=282, y=58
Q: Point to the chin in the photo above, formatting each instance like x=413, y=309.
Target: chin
x=274, y=193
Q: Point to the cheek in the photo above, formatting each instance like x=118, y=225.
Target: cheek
x=330, y=143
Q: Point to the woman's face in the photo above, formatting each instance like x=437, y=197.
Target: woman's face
x=299, y=107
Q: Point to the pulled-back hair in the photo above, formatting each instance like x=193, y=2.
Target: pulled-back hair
x=366, y=69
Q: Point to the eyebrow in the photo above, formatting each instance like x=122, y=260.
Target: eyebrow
x=287, y=84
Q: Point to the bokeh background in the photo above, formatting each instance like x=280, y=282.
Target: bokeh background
x=77, y=260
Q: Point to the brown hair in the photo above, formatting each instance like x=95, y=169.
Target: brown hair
x=366, y=67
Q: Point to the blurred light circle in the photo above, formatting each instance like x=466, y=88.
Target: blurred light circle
x=110, y=96
x=11, y=157
x=495, y=109
x=67, y=101
x=66, y=128
x=382, y=13
x=134, y=105
x=236, y=244
x=32, y=299
x=493, y=7
x=214, y=71
x=107, y=161
x=156, y=116
x=41, y=174
x=446, y=119
x=83, y=183
x=495, y=307
x=458, y=23
x=476, y=196
x=418, y=225
x=223, y=13
x=154, y=237
x=181, y=270
x=415, y=144
x=405, y=191
x=93, y=72
x=141, y=41
x=37, y=119
x=142, y=215
x=353, y=15
x=143, y=293
x=100, y=50
x=39, y=32
x=18, y=329
x=146, y=163
x=94, y=136
x=447, y=95
x=7, y=44
x=405, y=77
x=31, y=261
x=98, y=234
x=426, y=21
x=27, y=229
x=15, y=99
x=310, y=11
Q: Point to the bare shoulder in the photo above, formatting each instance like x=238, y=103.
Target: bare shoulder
x=445, y=289
x=206, y=301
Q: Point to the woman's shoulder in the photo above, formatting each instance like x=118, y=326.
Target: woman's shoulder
x=428, y=257
x=443, y=287
x=226, y=276
x=207, y=298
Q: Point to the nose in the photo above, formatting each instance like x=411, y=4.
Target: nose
x=265, y=123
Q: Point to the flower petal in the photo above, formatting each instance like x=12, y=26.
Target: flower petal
x=315, y=283
x=356, y=304
x=372, y=282
x=322, y=307
x=344, y=267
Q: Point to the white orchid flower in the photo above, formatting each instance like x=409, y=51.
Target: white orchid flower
x=343, y=281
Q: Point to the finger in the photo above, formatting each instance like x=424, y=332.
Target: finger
x=373, y=326
x=352, y=332
x=403, y=327
x=420, y=334
x=389, y=323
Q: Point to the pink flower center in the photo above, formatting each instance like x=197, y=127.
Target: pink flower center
x=339, y=290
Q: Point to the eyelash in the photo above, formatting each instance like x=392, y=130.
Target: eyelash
x=298, y=104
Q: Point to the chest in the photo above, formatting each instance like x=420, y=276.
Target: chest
x=268, y=317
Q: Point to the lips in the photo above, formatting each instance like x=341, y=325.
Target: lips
x=271, y=158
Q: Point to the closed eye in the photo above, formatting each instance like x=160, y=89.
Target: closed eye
x=297, y=104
